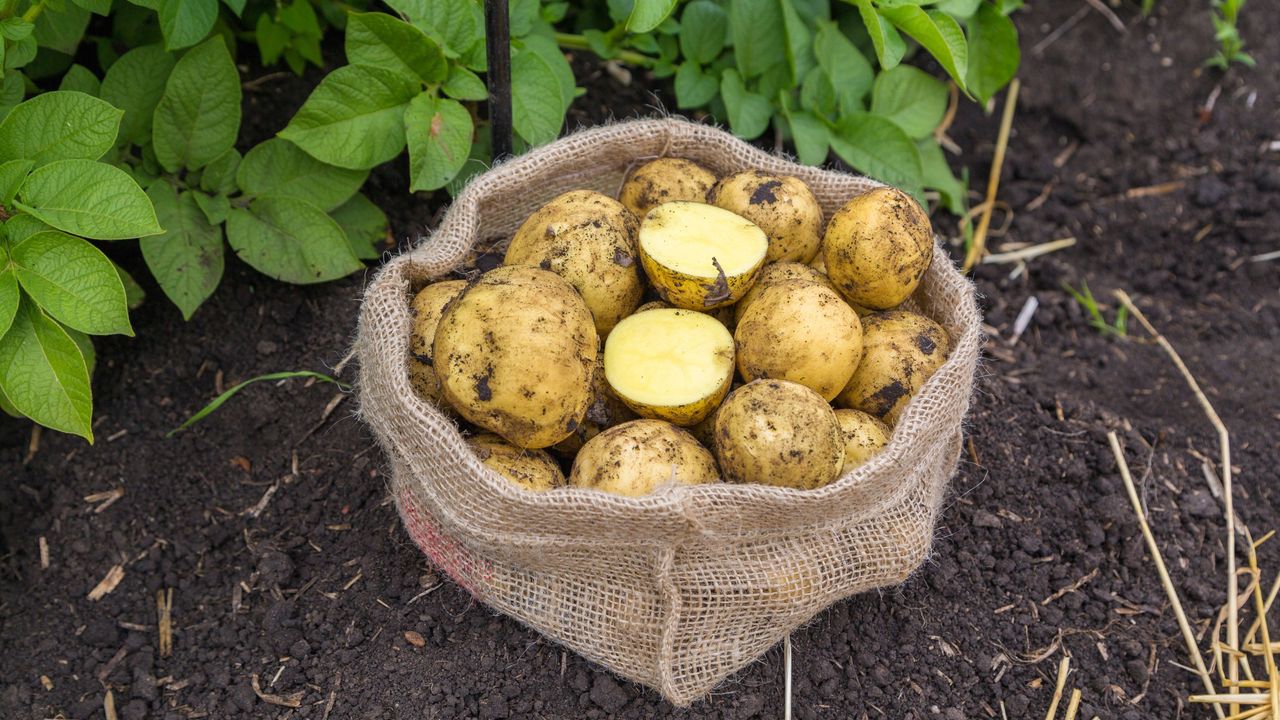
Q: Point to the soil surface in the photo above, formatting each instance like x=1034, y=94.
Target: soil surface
x=270, y=522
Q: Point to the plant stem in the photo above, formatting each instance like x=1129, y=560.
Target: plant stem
x=33, y=12
x=570, y=41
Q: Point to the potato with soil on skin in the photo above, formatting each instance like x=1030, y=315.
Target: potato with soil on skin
x=530, y=469
x=781, y=433
x=665, y=180
x=801, y=331
x=515, y=353
x=774, y=273
x=605, y=411
x=781, y=205
x=428, y=305
x=637, y=457
x=588, y=239
x=671, y=364
x=864, y=436
x=698, y=256
x=878, y=247
x=900, y=350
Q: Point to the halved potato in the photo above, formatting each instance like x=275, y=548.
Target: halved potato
x=698, y=256
x=783, y=206
x=530, y=469
x=638, y=457
x=665, y=180
x=671, y=364
x=428, y=306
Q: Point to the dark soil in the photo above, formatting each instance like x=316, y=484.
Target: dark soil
x=315, y=594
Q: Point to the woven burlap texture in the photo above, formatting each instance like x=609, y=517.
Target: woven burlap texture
x=679, y=589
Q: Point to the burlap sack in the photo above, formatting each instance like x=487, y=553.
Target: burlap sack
x=679, y=589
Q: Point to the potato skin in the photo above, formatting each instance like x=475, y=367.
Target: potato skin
x=665, y=180
x=900, y=350
x=864, y=435
x=530, y=469
x=637, y=457
x=774, y=273
x=878, y=247
x=515, y=354
x=428, y=305
x=783, y=206
x=588, y=239
x=776, y=432
x=605, y=411
x=801, y=331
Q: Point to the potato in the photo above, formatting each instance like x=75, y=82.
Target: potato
x=665, y=180
x=700, y=257
x=428, y=306
x=652, y=305
x=877, y=247
x=588, y=239
x=900, y=350
x=775, y=272
x=672, y=364
x=530, y=469
x=605, y=411
x=783, y=206
x=801, y=331
x=777, y=432
x=514, y=354
x=864, y=435
x=637, y=457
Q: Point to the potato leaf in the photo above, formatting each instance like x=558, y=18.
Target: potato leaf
x=88, y=198
x=73, y=281
x=884, y=37
x=134, y=83
x=365, y=225
x=648, y=14
x=993, y=52
x=938, y=33
x=439, y=134
x=291, y=240
x=380, y=40
x=912, y=98
x=184, y=23
x=749, y=113
x=44, y=374
x=704, y=31
x=278, y=167
x=187, y=260
x=759, y=36
x=875, y=146
x=198, y=117
x=355, y=118
x=59, y=125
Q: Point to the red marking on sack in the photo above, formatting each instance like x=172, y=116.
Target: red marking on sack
x=445, y=552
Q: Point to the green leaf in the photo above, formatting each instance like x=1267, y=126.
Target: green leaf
x=704, y=31
x=477, y=162
x=218, y=401
x=10, y=296
x=12, y=174
x=80, y=79
x=694, y=88
x=135, y=83
x=291, y=240
x=937, y=33
x=16, y=28
x=536, y=100
x=550, y=52
x=44, y=375
x=817, y=94
x=648, y=14
x=749, y=113
x=20, y=53
x=848, y=71
x=759, y=39
x=380, y=40
x=187, y=259
x=97, y=7
x=22, y=226
x=889, y=45
x=59, y=125
x=811, y=137
x=354, y=118
x=88, y=198
x=11, y=92
x=198, y=116
x=364, y=224
x=993, y=52
x=186, y=22
x=278, y=167
x=799, y=44
x=522, y=17
x=876, y=147
x=439, y=133
x=73, y=281
x=912, y=98
x=936, y=174
x=215, y=207
x=463, y=84
x=236, y=6
x=959, y=8
x=62, y=29
x=301, y=18
x=272, y=37
x=133, y=295
x=453, y=23
x=219, y=176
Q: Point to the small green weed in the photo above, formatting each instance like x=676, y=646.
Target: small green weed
x=218, y=401
x=1119, y=327
x=1226, y=14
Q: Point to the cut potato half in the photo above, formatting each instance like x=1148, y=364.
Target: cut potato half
x=699, y=256
x=670, y=364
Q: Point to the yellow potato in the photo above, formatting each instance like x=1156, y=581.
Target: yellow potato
x=801, y=331
x=515, y=353
x=638, y=457
x=428, y=306
x=877, y=247
x=651, y=305
x=773, y=273
x=900, y=350
x=864, y=435
x=698, y=256
x=783, y=206
x=605, y=411
x=530, y=469
x=671, y=364
x=776, y=432
x=665, y=180
x=588, y=239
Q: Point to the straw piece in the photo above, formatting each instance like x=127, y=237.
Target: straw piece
x=1074, y=705
x=1063, y=667
x=993, y=181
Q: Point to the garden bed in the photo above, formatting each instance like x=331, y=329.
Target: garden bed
x=273, y=528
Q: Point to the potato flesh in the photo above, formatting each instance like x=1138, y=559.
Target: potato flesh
x=669, y=363
x=699, y=256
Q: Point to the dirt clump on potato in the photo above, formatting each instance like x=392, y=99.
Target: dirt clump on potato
x=665, y=180
x=781, y=205
x=900, y=351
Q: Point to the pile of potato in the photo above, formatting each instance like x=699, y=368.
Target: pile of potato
x=697, y=329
